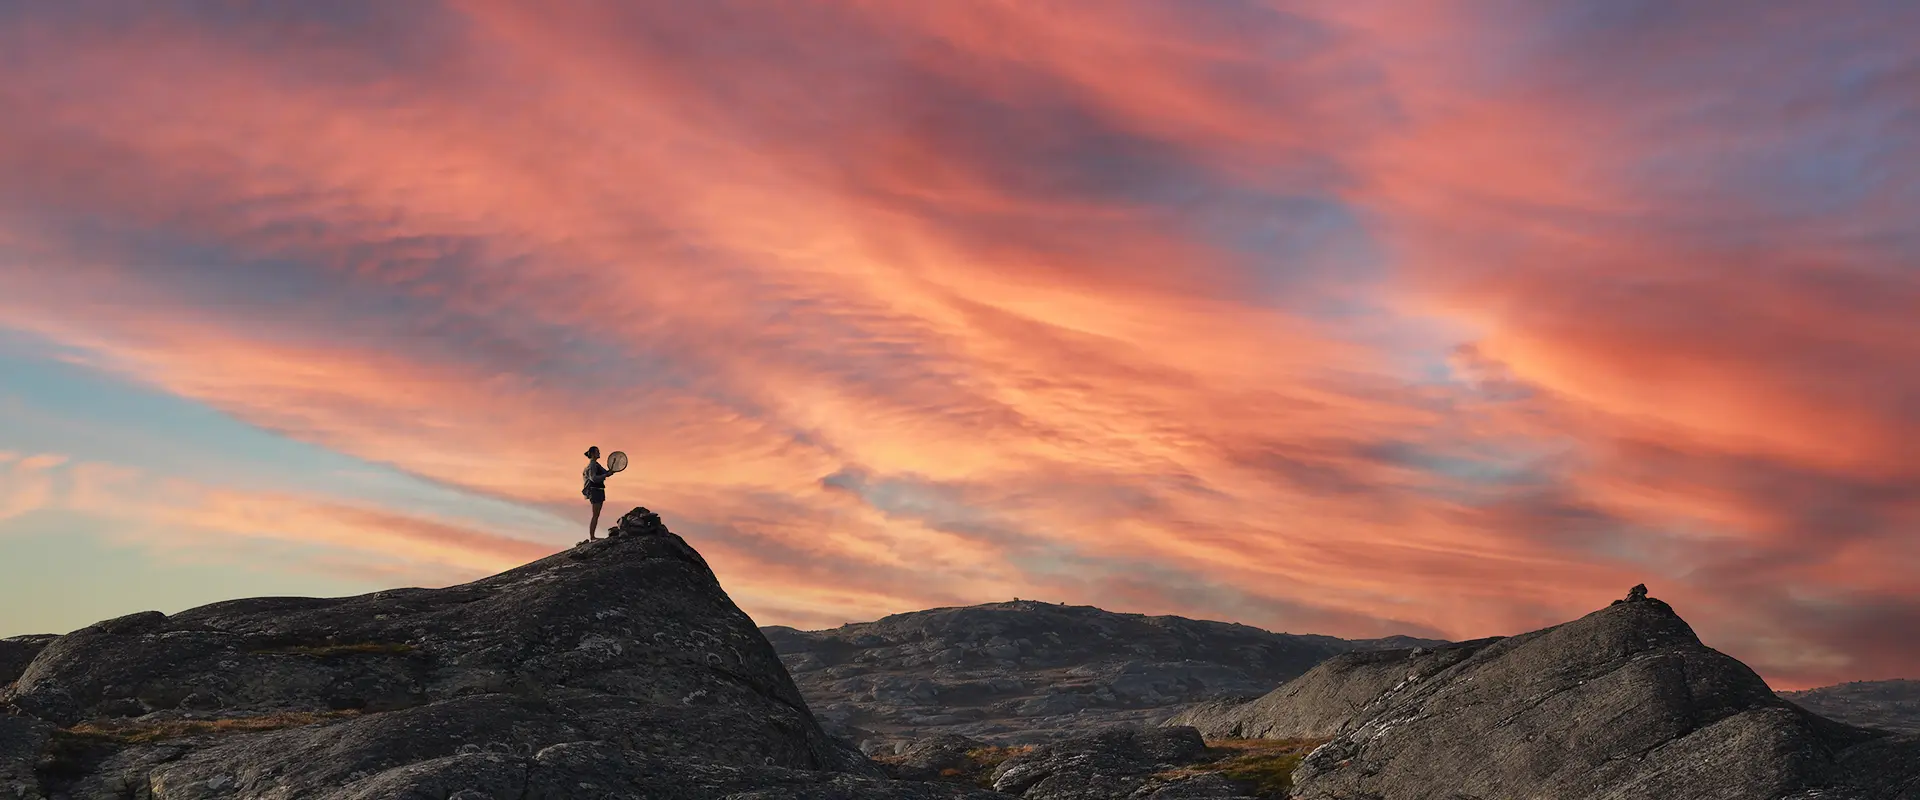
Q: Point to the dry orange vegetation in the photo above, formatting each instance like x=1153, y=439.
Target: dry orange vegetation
x=136, y=732
x=358, y=648
x=1265, y=764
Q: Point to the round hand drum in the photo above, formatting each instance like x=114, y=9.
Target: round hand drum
x=616, y=461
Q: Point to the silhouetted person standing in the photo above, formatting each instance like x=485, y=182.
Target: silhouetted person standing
x=594, y=486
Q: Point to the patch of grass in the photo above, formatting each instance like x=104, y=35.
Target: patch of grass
x=1269, y=775
x=981, y=761
x=137, y=732
x=334, y=650
x=1264, y=766
x=992, y=755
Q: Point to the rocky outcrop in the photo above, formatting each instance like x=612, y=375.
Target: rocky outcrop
x=1029, y=672
x=1886, y=705
x=1622, y=703
x=1116, y=763
x=620, y=668
x=17, y=652
x=1319, y=703
x=22, y=740
x=617, y=668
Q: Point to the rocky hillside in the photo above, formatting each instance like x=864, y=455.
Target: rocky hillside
x=1026, y=672
x=1622, y=703
x=1888, y=705
x=620, y=668
x=616, y=669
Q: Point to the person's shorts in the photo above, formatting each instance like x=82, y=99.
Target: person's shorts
x=595, y=495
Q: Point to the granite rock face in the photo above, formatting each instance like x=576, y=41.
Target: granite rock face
x=1318, y=704
x=22, y=740
x=1622, y=703
x=1030, y=672
x=618, y=668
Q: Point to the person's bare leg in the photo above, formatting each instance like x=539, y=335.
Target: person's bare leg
x=594, y=524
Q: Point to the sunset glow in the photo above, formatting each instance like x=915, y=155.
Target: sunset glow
x=1450, y=318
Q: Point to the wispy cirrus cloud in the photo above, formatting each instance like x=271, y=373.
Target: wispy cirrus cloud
x=29, y=484
x=176, y=514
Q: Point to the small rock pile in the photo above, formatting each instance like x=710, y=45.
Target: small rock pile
x=1637, y=594
x=638, y=522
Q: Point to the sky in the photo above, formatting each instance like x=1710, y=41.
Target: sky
x=1448, y=318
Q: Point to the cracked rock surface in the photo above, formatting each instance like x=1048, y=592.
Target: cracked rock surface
x=1622, y=703
x=618, y=668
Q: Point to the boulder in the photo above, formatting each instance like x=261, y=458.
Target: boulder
x=935, y=757
x=1115, y=763
x=17, y=652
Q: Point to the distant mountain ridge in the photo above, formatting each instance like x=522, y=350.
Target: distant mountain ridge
x=1889, y=705
x=1027, y=671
